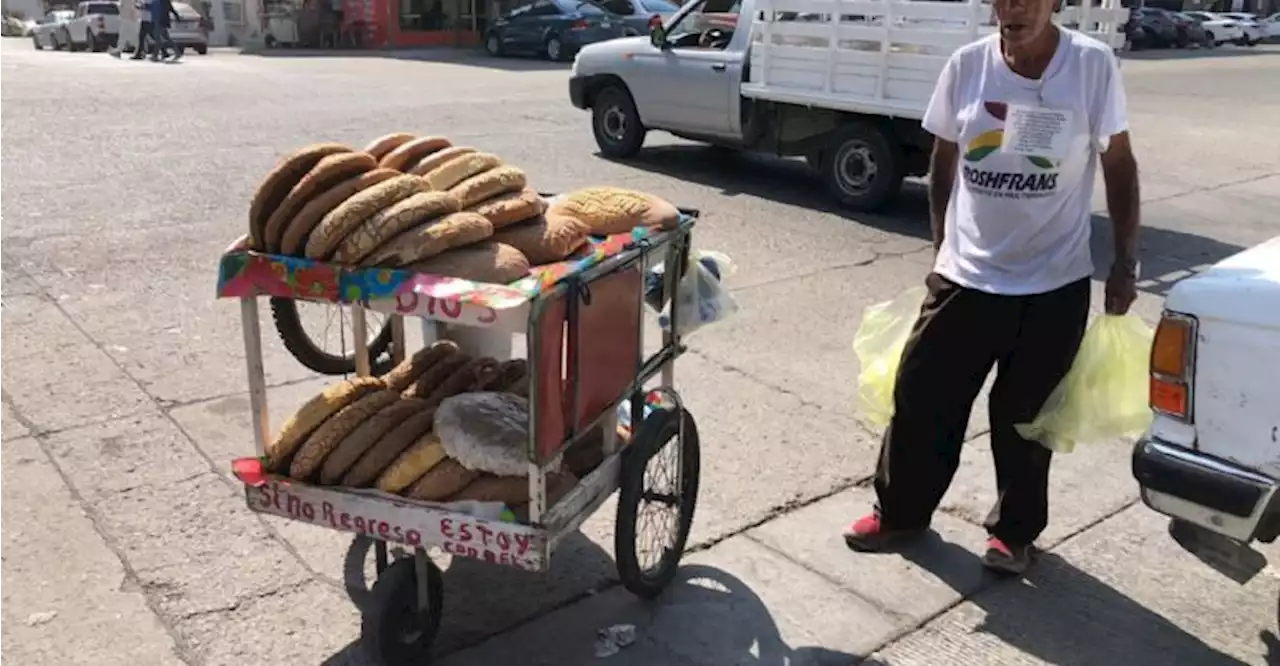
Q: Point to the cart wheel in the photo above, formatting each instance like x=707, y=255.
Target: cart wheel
x=659, y=490
x=314, y=353
x=395, y=631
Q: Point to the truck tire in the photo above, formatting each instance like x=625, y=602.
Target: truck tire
x=863, y=166
x=616, y=123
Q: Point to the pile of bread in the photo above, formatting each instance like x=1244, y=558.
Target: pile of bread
x=386, y=432
x=426, y=205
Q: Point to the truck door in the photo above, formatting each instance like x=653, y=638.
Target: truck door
x=690, y=84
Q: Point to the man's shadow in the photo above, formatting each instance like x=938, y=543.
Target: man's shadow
x=1061, y=615
x=707, y=615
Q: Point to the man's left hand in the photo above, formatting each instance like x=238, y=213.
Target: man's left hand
x=1122, y=289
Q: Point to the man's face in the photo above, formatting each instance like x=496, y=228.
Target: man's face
x=1021, y=21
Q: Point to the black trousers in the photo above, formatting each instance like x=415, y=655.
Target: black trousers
x=144, y=40
x=960, y=335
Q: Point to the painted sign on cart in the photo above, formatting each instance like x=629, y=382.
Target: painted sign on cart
x=401, y=522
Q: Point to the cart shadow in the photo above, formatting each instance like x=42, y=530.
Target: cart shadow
x=1167, y=255
x=1061, y=615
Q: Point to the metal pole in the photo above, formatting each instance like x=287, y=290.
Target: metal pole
x=257, y=379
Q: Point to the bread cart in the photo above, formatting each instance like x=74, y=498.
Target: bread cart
x=583, y=322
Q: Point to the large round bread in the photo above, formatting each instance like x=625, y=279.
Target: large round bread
x=329, y=171
x=545, y=240
x=386, y=450
x=614, y=210
x=442, y=481
x=437, y=374
x=489, y=185
x=512, y=207
x=410, y=152
x=275, y=187
x=512, y=490
x=511, y=374
x=409, y=370
x=419, y=459
x=433, y=161
x=386, y=143
x=327, y=437
x=462, y=380
x=390, y=222
x=314, y=413
x=430, y=239
x=296, y=233
x=353, y=212
x=360, y=440
x=461, y=168
x=559, y=484
x=486, y=261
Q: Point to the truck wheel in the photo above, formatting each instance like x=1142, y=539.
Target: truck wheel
x=616, y=123
x=863, y=167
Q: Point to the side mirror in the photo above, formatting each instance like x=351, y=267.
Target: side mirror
x=658, y=37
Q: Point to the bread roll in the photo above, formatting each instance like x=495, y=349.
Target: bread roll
x=327, y=437
x=614, y=210
x=360, y=440
x=545, y=240
x=442, y=481
x=408, y=371
x=435, y=160
x=489, y=184
x=488, y=262
x=430, y=239
x=423, y=456
x=329, y=171
x=390, y=222
x=512, y=207
x=386, y=143
x=353, y=212
x=409, y=152
x=459, y=169
x=275, y=187
x=296, y=233
x=314, y=413
x=387, y=450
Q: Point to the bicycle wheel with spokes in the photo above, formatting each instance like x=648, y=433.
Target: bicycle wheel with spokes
x=658, y=494
x=321, y=336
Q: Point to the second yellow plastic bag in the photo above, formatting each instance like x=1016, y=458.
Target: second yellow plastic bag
x=1104, y=395
x=879, y=342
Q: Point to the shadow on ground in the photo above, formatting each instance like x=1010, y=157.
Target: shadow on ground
x=1167, y=255
x=706, y=615
x=1061, y=615
x=467, y=57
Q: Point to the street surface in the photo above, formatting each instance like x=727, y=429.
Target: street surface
x=126, y=543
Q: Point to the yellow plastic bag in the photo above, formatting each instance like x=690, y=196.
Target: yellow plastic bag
x=879, y=342
x=1104, y=395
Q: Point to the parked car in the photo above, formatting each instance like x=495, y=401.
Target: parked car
x=48, y=30
x=1208, y=460
x=556, y=29
x=1272, y=25
x=1254, y=31
x=187, y=33
x=1150, y=27
x=1220, y=29
x=96, y=26
x=640, y=17
x=1190, y=32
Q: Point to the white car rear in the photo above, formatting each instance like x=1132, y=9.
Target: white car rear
x=1223, y=30
x=1254, y=31
x=96, y=26
x=185, y=32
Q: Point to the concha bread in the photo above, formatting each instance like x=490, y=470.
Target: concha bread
x=326, y=438
x=299, y=229
x=365, y=435
x=430, y=239
x=461, y=168
x=408, y=153
x=389, y=222
x=435, y=160
x=379, y=458
x=420, y=458
x=329, y=171
x=486, y=261
x=381, y=146
x=615, y=210
x=355, y=211
x=512, y=207
x=442, y=481
x=276, y=186
x=408, y=371
x=489, y=184
x=545, y=240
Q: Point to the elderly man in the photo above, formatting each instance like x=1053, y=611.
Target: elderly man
x=1021, y=119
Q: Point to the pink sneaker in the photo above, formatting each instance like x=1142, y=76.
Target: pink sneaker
x=867, y=535
x=1004, y=559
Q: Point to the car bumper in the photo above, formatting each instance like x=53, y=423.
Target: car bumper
x=1210, y=492
x=578, y=91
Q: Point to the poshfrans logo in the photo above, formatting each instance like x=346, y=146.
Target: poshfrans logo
x=1005, y=183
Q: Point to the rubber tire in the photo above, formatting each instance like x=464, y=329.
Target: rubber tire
x=394, y=597
x=202, y=49
x=633, y=139
x=284, y=311
x=546, y=49
x=884, y=151
x=35, y=43
x=653, y=434
x=493, y=46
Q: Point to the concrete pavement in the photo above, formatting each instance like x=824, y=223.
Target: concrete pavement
x=123, y=390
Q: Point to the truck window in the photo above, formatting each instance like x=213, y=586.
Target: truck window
x=105, y=8
x=619, y=7
x=708, y=26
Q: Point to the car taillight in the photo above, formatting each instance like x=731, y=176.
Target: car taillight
x=655, y=21
x=580, y=24
x=1173, y=366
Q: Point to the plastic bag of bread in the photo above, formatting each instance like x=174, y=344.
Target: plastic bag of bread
x=486, y=431
x=700, y=297
x=614, y=210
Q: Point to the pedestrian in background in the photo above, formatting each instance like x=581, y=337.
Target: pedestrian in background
x=145, y=39
x=161, y=11
x=1020, y=120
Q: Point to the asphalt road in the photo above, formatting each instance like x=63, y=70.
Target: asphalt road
x=123, y=388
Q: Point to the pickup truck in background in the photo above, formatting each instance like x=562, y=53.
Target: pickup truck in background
x=792, y=78
x=95, y=26
x=1211, y=458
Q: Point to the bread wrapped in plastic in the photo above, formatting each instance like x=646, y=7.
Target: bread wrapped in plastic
x=486, y=431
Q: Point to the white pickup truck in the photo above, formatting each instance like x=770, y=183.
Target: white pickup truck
x=95, y=27
x=843, y=83
x=1211, y=458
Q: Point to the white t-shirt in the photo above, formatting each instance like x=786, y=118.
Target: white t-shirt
x=1018, y=222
